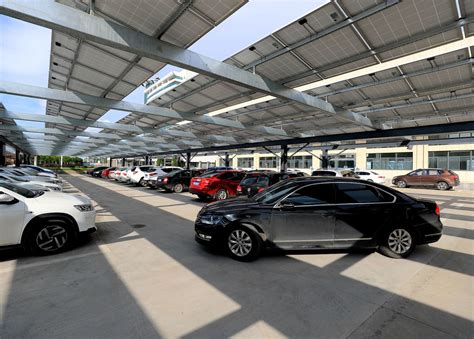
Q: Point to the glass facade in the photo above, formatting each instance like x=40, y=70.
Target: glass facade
x=305, y=161
x=268, y=162
x=453, y=160
x=390, y=161
x=245, y=162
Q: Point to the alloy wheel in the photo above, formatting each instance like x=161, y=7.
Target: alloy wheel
x=442, y=186
x=51, y=238
x=399, y=241
x=221, y=195
x=402, y=184
x=178, y=188
x=240, y=243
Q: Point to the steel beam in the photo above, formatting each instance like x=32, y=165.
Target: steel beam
x=89, y=100
x=76, y=23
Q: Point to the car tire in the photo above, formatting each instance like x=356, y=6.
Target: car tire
x=397, y=243
x=221, y=194
x=50, y=237
x=178, y=188
x=202, y=197
x=243, y=244
x=442, y=186
x=370, y=180
x=402, y=184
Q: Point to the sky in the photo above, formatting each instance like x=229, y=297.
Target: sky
x=25, y=48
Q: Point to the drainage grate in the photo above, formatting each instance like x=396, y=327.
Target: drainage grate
x=138, y=225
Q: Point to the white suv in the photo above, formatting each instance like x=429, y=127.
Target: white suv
x=137, y=173
x=371, y=176
x=155, y=172
x=43, y=222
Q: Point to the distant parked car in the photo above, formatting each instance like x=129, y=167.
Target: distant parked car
x=151, y=176
x=218, y=185
x=320, y=212
x=39, y=169
x=371, y=176
x=177, y=181
x=137, y=174
x=334, y=173
x=106, y=173
x=123, y=177
x=96, y=171
x=43, y=222
x=255, y=182
x=442, y=179
x=115, y=173
x=48, y=186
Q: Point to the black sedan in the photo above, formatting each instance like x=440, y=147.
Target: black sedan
x=177, y=181
x=320, y=212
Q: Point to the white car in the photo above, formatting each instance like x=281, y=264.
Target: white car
x=43, y=222
x=115, y=174
x=371, y=176
x=124, y=175
x=137, y=173
x=27, y=183
x=27, y=175
x=155, y=172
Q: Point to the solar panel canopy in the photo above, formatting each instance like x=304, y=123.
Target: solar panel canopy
x=397, y=63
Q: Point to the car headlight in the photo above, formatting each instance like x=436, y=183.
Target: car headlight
x=211, y=219
x=84, y=208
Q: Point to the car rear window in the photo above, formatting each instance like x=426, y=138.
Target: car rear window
x=324, y=173
x=210, y=174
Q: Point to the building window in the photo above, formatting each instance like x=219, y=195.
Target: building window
x=453, y=160
x=268, y=162
x=305, y=161
x=390, y=161
x=245, y=162
x=342, y=161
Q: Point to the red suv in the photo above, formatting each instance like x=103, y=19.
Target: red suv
x=218, y=184
x=442, y=179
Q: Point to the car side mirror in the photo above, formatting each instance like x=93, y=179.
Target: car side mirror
x=7, y=199
x=286, y=205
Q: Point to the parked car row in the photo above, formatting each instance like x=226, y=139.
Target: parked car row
x=36, y=215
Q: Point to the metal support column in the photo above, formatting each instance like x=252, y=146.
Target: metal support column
x=3, y=150
x=123, y=162
x=17, y=158
x=146, y=160
x=226, y=160
x=188, y=161
x=324, y=159
x=284, y=158
x=110, y=162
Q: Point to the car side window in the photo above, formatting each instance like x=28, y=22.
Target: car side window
x=312, y=195
x=351, y=193
x=433, y=172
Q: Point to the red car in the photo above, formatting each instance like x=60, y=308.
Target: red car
x=218, y=185
x=105, y=173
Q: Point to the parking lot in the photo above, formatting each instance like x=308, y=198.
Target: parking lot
x=142, y=274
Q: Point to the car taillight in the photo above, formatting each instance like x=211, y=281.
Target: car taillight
x=165, y=180
x=437, y=210
x=239, y=188
x=261, y=189
x=152, y=174
x=381, y=177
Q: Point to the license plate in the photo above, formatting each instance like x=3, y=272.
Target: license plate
x=196, y=183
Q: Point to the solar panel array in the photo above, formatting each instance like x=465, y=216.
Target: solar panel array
x=360, y=56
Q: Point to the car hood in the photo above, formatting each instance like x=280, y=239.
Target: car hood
x=230, y=205
x=61, y=198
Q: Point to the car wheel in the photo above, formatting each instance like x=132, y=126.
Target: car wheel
x=140, y=182
x=442, y=186
x=243, y=244
x=402, y=184
x=370, y=180
x=50, y=237
x=397, y=243
x=178, y=188
x=221, y=194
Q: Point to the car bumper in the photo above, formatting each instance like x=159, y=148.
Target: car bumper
x=430, y=238
x=208, y=235
x=86, y=221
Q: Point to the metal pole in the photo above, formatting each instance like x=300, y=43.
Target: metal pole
x=2, y=154
x=17, y=158
x=325, y=159
x=110, y=162
x=226, y=160
x=123, y=162
x=188, y=161
x=146, y=159
x=284, y=158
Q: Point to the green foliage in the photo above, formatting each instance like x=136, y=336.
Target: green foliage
x=55, y=161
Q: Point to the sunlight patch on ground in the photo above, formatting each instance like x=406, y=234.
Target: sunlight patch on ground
x=259, y=329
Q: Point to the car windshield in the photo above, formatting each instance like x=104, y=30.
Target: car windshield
x=15, y=178
x=27, y=193
x=275, y=192
x=174, y=172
